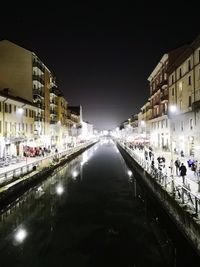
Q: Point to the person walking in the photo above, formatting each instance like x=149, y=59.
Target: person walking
x=177, y=165
x=183, y=171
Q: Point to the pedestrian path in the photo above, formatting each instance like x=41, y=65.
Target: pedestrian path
x=186, y=194
x=191, y=179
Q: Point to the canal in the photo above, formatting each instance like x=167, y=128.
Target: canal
x=91, y=212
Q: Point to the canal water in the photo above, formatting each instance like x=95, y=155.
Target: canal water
x=91, y=212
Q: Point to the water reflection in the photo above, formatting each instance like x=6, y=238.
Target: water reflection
x=20, y=235
x=89, y=213
x=59, y=189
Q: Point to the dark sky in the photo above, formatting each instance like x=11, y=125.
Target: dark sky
x=102, y=55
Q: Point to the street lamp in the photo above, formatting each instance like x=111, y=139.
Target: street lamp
x=172, y=110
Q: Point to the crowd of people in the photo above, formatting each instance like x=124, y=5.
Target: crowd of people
x=35, y=151
x=180, y=168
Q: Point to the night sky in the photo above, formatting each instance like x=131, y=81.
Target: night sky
x=101, y=55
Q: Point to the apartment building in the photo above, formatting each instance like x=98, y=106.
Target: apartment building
x=184, y=94
x=17, y=118
x=26, y=76
x=159, y=98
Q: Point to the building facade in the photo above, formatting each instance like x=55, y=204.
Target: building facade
x=184, y=94
x=24, y=75
x=17, y=118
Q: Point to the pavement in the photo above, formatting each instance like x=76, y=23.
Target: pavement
x=191, y=179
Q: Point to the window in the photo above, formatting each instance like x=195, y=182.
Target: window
x=189, y=80
x=14, y=108
x=172, y=91
x=189, y=65
x=180, y=73
x=26, y=112
x=10, y=108
x=190, y=101
x=180, y=104
x=6, y=107
x=181, y=125
x=180, y=85
x=6, y=126
x=172, y=78
x=191, y=124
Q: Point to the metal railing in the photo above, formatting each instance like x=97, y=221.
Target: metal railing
x=8, y=176
x=182, y=194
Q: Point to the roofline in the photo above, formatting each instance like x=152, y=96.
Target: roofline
x=158, y=66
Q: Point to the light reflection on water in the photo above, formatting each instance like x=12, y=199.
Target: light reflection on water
x=52, y=215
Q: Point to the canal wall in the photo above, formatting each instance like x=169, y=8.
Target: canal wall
x=12, y=191
x=186, y=220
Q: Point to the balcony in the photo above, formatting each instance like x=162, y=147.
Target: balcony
x=39, y=118
x=53, y=121
x=156, y=103
x=164, y=97
x=53, y=112
x=54, y=90
x=53, y=102
x=40, y=105
x=38, y=78
x=38, y=91
x=38, y=65
x=196, y=105
x=163, y=84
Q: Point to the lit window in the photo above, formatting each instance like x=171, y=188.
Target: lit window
x=180, y=85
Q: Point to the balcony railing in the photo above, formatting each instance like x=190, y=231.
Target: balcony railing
x=164, y=97
x=38, y=78
x=53, y=121
x=53, y=112
x=38, y=91
x=54, y=90
x=163, y=84
x=39, y=118
x=40, y=105
x=38, y=65
x=53, y=102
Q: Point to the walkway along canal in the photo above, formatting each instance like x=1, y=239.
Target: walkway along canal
x=90, y=212
x=180, y=204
